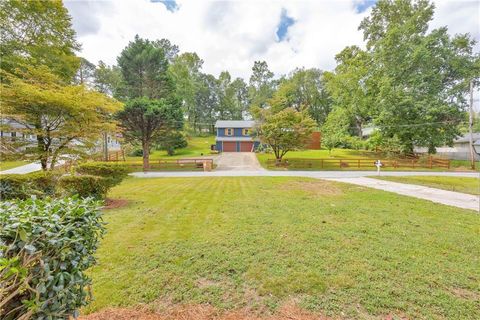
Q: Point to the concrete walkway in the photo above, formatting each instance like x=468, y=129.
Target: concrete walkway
x=31, y=167
x=450, y=198
x=28, y=168
x=456, y=199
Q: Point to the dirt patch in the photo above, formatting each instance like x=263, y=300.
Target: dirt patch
x=465, y=294
x=314, y=188
x=201, y=312
x=205, y=283
x=114, y=203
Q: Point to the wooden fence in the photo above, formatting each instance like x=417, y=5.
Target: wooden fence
x=112, y=156
x=299, y=163
x=175, y=165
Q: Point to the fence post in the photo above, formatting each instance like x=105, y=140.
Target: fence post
x=322, y=163
x=358, y=163
x=430, y=159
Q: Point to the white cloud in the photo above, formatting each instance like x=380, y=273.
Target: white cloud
x=231, y=35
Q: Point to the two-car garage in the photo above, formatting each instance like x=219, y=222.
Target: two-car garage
x=237, y=146
x=235, y=136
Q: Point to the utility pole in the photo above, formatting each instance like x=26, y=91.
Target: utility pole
x=470, y=128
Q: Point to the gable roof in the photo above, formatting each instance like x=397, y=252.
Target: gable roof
x=234, y=123
x=466, y=138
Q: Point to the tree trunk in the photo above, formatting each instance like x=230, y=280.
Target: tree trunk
x=43, y=153
x=358, y=123
x=44, y=163
x=146, y=155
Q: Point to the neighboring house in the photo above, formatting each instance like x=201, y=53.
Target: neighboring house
x=368, y=131
x=459, y=151
x=235, y=136
x=14, y=132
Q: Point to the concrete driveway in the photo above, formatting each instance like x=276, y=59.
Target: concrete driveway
x=237, y=161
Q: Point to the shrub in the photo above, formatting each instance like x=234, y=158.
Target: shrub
x=113, y=173
x=84, y=186
x=171, y=141
x=22, y=186
x=45, y=247
x=136, y=153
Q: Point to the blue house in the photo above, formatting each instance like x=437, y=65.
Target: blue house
x=234, y=136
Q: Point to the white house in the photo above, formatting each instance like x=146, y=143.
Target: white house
x=460, y=149
x=15, y=132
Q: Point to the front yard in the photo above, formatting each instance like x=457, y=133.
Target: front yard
x=350, y=158
x=262, y=242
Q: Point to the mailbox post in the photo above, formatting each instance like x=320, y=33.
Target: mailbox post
x=378, y=164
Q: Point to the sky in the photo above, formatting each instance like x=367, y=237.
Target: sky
x=231, y=35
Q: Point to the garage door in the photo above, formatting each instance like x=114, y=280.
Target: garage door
x=229, y=146
x=246, y=146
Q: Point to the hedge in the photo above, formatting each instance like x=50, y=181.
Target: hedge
x=113, y=172
x=18, y=186
x=84, y=186
x=46, y=245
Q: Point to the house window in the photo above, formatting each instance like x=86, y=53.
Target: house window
x=245, y=132
x=229, y=131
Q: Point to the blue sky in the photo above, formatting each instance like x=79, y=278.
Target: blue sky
x=363, y=5
x=171, y=5
x=283, y=25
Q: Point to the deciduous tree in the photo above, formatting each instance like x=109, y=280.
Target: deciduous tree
x=304, y=89
x=421, y=77
x=285, y=131
x=351, y=87
x=37, y=32
x=66, y=119
x=261, y=85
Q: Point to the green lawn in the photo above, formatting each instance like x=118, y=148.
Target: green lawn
x=459, y=184
x=259, y=242
x=459, y=165
x=196, y=146
x=5, y=165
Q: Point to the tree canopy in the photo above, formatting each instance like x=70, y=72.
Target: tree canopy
x=37, y=32
x=285, y=131
x=66, y=119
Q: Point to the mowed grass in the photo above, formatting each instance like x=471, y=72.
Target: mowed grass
x=259, y=242
x=337, y=154
x=5, y=165
x=458, y=184
x=195, y=148
x=322, y=154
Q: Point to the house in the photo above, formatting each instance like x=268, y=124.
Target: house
x=459, y=151
x=235, y=136
x=19, y=137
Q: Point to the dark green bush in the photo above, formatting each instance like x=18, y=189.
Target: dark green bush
x=84, y=186
x=113, y=173
x=171, y=141
x=45, y=247
x=136, y=153
x=23, y=186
